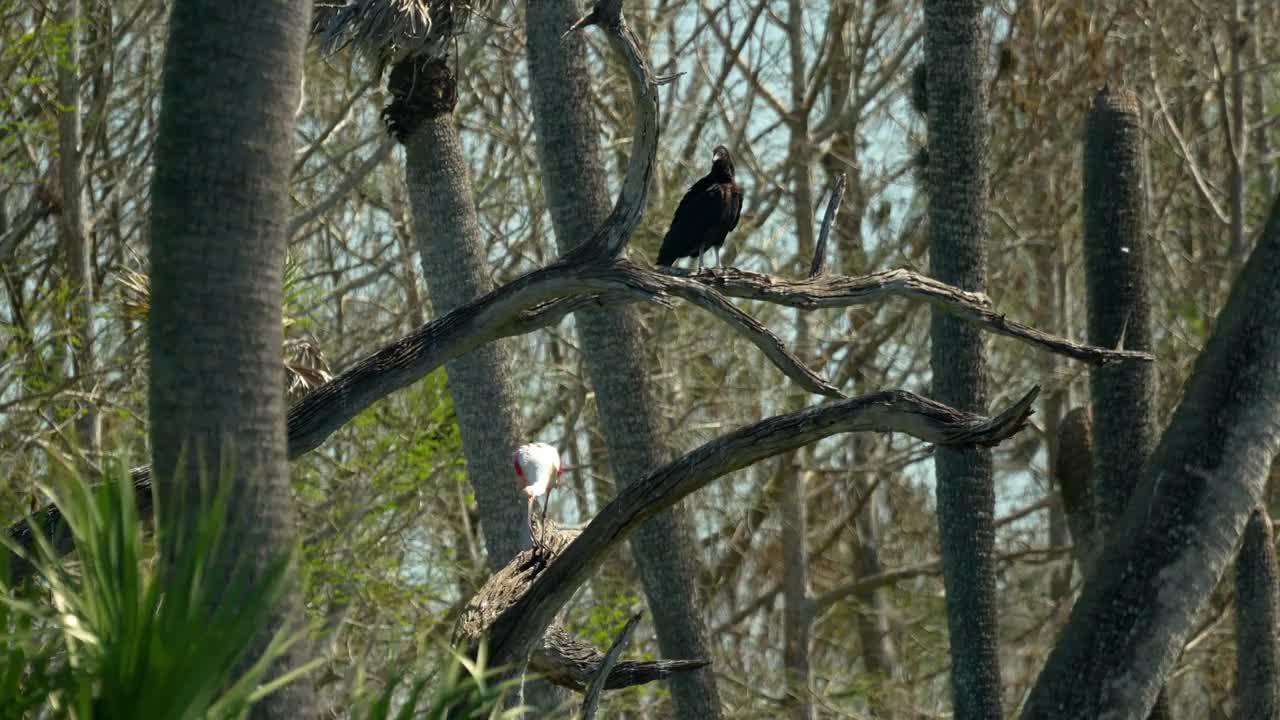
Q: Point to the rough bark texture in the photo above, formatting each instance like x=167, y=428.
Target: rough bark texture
x=561, y=658
x=957, y=181
x=1170, y=548
x=1122, y=394
x=455, y=267
x=613, y=342
x=1257, y=622
x=218, y=209
x=456, y=270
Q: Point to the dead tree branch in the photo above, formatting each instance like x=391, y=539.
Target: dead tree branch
x=819, y=265
x=571, y=663
x=836, y=291
x=517, y=630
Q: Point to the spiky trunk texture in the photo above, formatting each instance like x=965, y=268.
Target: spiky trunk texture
x=1257, y=622
x=455, y=267
x=614, y=344
x=1122, y=396
x=957, y=179
x=219, y=204
x=1166, y=553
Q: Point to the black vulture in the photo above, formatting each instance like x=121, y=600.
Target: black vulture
x=705, y=215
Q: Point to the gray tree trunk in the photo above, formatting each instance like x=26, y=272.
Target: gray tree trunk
x=73, y=231
x=456, y=269
x=797, y=613
x=957, y=187
x=614, y=344
x=1257, y=622
x=1122, y=396
x=879, y=653
x=1166, y=553
x=219, y=204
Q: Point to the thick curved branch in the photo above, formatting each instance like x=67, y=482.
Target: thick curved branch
x=516, y=631
x=771, y=345
x=561, y=658
x=612, y=236
x=543, y=297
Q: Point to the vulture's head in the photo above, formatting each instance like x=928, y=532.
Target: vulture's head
x=722, y=162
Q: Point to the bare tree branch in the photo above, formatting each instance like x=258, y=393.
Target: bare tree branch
x=832, y=291
x=561, y=658
x=570, y=663
x=518, y=629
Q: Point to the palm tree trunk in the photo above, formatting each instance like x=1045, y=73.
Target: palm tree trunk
x=614, y=345
x=957, y=172
x=455, y=267
x=1123, y=397
x=218, y=210
x=1257, y=622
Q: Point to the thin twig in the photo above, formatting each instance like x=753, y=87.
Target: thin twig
x=592, y=700
x=819, y=264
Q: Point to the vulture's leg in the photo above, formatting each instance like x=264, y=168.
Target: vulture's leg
x=717, y=249
x=699, y=270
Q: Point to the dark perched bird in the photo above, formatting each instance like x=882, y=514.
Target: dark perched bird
x=705, y=215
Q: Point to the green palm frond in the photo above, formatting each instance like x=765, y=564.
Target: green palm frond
x=117, y=639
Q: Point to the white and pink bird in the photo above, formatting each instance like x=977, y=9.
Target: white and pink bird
x=537, y=470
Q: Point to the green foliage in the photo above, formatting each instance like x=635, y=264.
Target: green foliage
x=118, y=638
x=465, y=691
x=601, y=623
